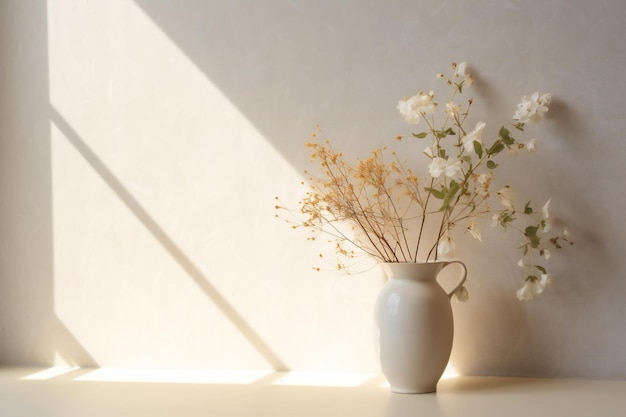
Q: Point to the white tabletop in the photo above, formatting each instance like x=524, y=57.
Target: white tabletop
x=134, y=393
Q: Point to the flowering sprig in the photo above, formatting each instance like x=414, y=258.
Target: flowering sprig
x=395, y=217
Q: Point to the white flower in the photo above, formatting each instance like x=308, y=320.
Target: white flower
x=484, y=181
x=449, y=167
x=547, y=220
x=506, y=197
x=474, y=230
x=452, y=109
x=546, y=279
x=437, y=166
x=532, y=108
x=460, y=72
x=530, y=145
x=461, y=295
x=545, y=209
x=429, y=152
x=453, y=166
x=546, y=253
x=520, y=263
x=495, y=220
x=474, y=136
x=530, y=290
x=533, y=287
x=445, y=246
x=413, y=108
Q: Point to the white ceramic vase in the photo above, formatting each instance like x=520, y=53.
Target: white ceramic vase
x=415, y=326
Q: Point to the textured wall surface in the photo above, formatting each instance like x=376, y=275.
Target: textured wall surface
x=142, y=144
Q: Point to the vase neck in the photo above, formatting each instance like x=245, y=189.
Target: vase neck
x=420, y=271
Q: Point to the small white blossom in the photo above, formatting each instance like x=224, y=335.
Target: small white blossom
x=436, y=167
x=445, y=247
x=546, y=279
x=452, y=167
x=520, y=263
x=546, y=253
x=474, y=230
x=413, y=108
x=495, y=220
x=533, y=287
x=530, y=145
x=530, y=290
x=545, y=209
x=547, y=220
x=452, y=109
x=449, y=167
x=506, y=197
x=474, y=136
x=532, y=108
x=428, y=151
x=484, y=181
x=460, y=71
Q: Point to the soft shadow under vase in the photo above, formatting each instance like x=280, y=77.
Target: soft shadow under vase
x=415, y=325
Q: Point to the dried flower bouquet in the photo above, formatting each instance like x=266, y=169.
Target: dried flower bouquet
x=394, y=216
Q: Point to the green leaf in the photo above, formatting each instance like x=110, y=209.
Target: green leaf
x=528, y=209
x=531, y=233
x=506, y=217
x=440, y=134
x=468, y=160
x=421, y=135
x=541, y=268
x=496, y=148
x=442, y=153
x=505, y=136
x=454, y=188
x=440, y=194
x=491, y=164
x=478, y=148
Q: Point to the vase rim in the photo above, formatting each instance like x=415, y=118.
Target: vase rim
x=430, y=261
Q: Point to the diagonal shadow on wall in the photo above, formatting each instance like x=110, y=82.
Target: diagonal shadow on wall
x=272, y=60
x=69, y=348
x=166, y=242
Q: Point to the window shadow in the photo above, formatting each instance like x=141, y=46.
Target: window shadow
x=166, y=242
x=31, y=333
x=69, y=348
x=269, y=55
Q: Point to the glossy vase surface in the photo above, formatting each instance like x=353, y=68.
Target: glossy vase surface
x=415, y=326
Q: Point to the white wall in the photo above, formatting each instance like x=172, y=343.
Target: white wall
x=143, y=142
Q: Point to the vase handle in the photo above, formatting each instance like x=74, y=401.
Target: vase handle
x=463, y=276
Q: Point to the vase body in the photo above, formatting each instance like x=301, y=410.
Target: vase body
x=415, y=325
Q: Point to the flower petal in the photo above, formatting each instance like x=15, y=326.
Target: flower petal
x=506, y=197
